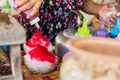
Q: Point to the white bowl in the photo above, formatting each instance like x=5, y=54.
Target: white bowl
x=39, y=66
x=92, y=59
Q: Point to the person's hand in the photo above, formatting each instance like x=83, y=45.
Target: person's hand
x=108, y=13
x=24, y=5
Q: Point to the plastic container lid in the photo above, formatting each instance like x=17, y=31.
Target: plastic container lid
x=102, y=32
x=34, y=21
x=84, y=30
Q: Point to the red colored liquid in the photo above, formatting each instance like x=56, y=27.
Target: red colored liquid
x=38, y=39
x=31, y=45
x=42, y=54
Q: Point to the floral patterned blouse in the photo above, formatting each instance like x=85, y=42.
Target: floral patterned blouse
x=54, y=18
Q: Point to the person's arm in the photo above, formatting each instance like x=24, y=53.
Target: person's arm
x=101, y=10
x=90, y=7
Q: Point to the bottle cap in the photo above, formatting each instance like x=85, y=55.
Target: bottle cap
x=84, y=30
x=34, y=21
x=102, y=32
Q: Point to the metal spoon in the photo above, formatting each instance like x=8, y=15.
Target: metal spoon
x=70, y=31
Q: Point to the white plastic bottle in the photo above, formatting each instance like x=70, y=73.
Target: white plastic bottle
x=34, y=20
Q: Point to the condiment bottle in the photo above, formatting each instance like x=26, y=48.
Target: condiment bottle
x=102, y=32
x=115, y=30
x=83, y=31
x=34, y=20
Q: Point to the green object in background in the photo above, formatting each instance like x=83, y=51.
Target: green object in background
x=84, y=30
x=7, y=5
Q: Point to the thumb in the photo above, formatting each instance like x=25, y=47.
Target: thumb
x=109, y=5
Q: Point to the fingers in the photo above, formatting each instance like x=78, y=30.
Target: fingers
x=26, y=6
x=110, y=19
x=108, y=13
x=113, y=18
x=21, y=2
x=35, y=10
x=109, y=5
x=16, y=2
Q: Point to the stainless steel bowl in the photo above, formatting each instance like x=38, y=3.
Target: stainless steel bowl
x=62, y=37
x=60, y=48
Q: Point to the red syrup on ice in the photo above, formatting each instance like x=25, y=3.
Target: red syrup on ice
x=38, y=39
x=41, y=53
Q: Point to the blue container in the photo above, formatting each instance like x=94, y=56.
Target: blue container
x=5, y=47
x=114, y=31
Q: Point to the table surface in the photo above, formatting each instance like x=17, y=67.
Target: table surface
x=11, y=32
x=28, y=75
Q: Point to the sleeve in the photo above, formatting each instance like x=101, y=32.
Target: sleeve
x=68, y=4
x=74, y=4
